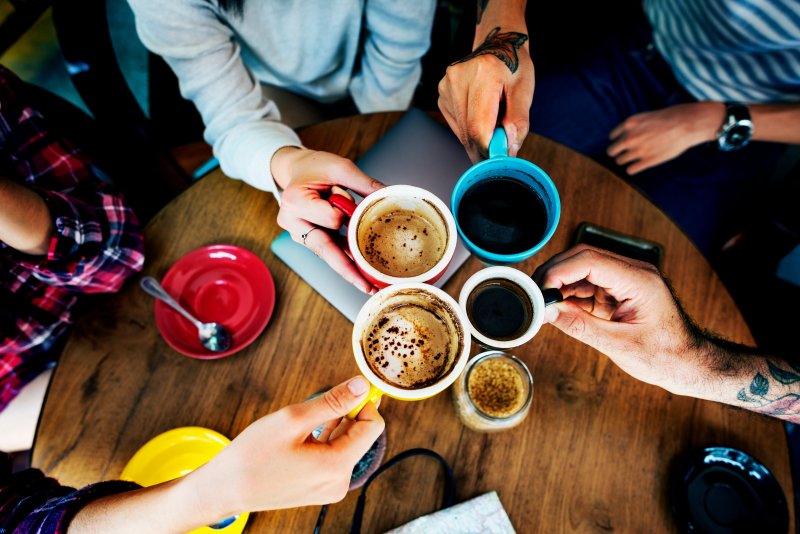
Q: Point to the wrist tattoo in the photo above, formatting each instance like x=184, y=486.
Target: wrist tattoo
x=503, y=46
x=481, y=8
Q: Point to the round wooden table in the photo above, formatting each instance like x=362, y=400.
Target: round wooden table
x=593, y=455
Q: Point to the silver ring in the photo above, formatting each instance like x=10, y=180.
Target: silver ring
x=305, y=235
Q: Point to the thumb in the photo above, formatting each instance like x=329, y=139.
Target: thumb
x=580, y=324
x=516, y=120
x=333, y=404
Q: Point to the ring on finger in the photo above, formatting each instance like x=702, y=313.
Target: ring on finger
x=305, y=235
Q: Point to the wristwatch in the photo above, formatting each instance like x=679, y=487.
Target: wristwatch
x=737, y=129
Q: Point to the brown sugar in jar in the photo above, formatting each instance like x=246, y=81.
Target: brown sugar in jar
x=494, y=392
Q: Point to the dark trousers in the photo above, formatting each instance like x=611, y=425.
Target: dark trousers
x=705, y=191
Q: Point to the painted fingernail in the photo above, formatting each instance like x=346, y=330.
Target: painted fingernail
x=358, y=385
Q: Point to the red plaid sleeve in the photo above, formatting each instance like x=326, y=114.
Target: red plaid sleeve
x=97, y=242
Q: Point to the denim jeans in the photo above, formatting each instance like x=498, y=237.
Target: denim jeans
x=705, y=191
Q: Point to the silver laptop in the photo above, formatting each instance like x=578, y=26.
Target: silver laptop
x=416, y=151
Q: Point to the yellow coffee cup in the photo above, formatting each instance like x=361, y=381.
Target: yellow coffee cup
x=410, y=341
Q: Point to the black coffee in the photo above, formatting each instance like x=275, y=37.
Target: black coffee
x=500, y=309
x=502, y=215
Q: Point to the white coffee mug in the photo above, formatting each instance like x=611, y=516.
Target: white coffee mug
x=537, y=299
x=397, y=295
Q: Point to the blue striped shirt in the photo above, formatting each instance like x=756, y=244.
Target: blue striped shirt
x=731, y=50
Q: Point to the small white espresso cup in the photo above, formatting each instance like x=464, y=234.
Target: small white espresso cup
x=504, y=306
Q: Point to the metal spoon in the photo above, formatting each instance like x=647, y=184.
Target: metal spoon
x=213, y=336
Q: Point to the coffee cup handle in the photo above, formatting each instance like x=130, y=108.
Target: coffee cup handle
x=343, y=203
x=551, y=296
x=498, y=146
x=373, y=396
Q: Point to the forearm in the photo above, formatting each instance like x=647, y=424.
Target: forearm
x=508, y=15
x=25, y=221
x=741, y=376
x=778, y=123
x=165, y=508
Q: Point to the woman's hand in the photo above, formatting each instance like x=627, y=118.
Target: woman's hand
x=308, y=178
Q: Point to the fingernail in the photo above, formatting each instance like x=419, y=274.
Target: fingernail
x=550, y=314
x=358, y=386
x=511, y=133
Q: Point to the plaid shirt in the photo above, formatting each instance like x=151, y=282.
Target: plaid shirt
x=31, y=502
x=96, y=245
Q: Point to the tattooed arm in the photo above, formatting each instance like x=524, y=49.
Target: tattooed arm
x=499, y=69
x=626, y=310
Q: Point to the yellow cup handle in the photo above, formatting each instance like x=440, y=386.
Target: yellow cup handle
x=373, y=396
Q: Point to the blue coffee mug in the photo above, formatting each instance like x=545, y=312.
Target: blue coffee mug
x=500, y=164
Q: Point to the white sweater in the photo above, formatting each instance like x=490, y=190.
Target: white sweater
x=310, y=47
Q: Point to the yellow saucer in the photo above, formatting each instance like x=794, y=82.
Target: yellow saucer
x=174, y=454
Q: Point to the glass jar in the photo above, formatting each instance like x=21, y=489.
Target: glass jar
x=494, y=392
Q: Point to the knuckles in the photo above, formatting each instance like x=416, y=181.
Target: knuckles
x=575, y=326
x=293, y=415
x=336, y=400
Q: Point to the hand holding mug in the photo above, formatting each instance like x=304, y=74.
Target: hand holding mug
x=274, y=463
x=308, y=177
x=624, y=309
x=410, y=341
x=399, y=234
x=506, y=209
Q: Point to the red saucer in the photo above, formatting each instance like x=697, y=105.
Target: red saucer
x=218, y=283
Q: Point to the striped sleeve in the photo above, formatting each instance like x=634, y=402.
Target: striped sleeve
x=731, y=50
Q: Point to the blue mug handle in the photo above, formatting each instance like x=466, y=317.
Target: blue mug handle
x=498, y=146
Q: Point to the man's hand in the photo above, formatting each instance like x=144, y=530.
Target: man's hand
x=648, y=139
x=624, y=309
x=308, y=177
x=274, y=463
x=498, y=70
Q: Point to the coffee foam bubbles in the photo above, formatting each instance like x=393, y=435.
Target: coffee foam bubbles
x=402, y=237
x=412, y=344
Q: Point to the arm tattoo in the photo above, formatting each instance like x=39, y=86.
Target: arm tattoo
x=503, y=46
x=773, y=390
x=785, y=405
x=481, y=9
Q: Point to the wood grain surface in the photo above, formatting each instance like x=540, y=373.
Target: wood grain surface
x=593, y=455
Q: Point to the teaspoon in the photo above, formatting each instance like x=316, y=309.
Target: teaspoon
x=213, y=336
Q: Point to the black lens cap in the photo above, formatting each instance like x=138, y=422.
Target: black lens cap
x=719, y=490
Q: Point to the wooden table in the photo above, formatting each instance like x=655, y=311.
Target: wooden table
x=593, y=454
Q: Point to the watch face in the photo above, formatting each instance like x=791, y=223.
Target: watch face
x=736, y=136
x=739, y=135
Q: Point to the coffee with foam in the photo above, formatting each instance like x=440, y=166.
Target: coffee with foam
x=413, y=341
x=402, y=237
